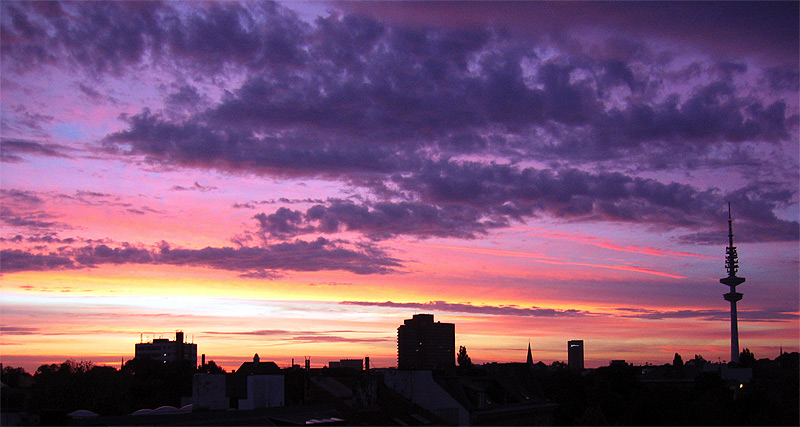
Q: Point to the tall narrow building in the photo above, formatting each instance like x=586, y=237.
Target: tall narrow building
x=575, y=355
x=732, y=265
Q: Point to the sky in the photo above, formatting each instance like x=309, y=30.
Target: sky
x=295, y=179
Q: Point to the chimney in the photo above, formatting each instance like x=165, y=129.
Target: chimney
x=366, y=363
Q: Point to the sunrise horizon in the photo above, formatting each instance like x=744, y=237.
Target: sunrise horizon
x=295, y=179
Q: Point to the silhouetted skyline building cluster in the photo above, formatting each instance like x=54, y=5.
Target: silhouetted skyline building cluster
x=424, y=391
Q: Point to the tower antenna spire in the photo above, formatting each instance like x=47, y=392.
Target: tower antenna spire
x=730, y=227
x=732, y=265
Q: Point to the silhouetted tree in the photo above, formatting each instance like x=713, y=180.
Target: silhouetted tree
x=11, y=376
x=677, y=361
x=747, y=359
x=211, y=368
x=463, y=359
x=698, y=361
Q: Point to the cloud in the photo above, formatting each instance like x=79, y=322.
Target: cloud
x=771, y=30
x=511, y=192
x=260, y=332
x=24, y=197
x=254, y=262
x=30, y=219
x=235, y=148
x=11, y=150
x=468, y=199
x=425, y=87
x=195, y=187
x=109, y=37
x=304, y=336
x=49, y=238
x=765, y=315
x=378, y=221
x=502, y=310
x=15, y=260
x=19, y=330
x=378, y=104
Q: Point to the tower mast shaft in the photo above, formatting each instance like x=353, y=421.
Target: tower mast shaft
x=734, y=333
x=731, y=264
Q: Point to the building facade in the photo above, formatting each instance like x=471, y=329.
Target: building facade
x=425, y=344
x=164, y=350
x=352, y=364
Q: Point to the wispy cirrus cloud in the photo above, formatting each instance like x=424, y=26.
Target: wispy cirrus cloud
x=607, y=244
x=19, y=330
x=502, y=310
x=194, y=187
x=290, y=336
x=765, y=315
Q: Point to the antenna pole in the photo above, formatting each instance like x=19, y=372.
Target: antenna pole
x=730, y=227
x=731, y=264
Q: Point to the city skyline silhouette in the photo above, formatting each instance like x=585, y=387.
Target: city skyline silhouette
x=296, y=179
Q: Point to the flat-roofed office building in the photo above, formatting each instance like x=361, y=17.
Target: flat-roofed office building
x=164, y=350
x=425, y=344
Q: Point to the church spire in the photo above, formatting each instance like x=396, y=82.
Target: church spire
x=530, y=356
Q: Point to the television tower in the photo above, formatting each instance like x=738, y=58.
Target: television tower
x=732, y=265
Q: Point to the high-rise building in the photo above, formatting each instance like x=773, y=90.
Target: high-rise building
x=575, y=354
x=423, y=344
x=732, y=265
x=164, y=350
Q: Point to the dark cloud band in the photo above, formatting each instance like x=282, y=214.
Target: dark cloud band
x=317, y=255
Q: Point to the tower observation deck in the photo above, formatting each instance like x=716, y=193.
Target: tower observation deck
x=732, y=265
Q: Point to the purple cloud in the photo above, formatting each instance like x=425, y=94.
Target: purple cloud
x=12, y=261
x=12, y=149
x=393, y=107
x=766, y=315
x=195, y=187
x=261, y=262
x=469, y=199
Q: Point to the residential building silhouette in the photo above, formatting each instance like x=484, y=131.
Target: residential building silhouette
x=425, y=344
x=354, y=364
